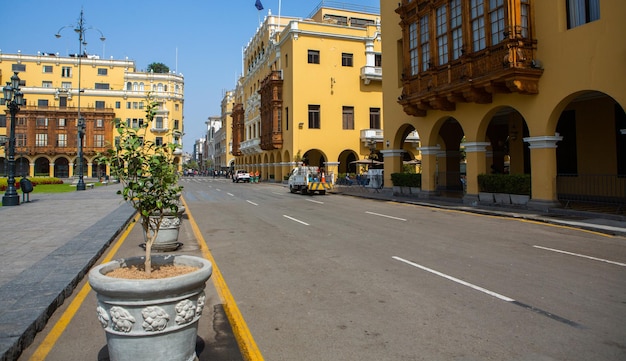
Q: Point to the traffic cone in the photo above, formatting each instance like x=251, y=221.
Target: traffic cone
x=323, y=178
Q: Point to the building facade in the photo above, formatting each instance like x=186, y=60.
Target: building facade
x=509, y=86
x=310, y=91
x=46, y=127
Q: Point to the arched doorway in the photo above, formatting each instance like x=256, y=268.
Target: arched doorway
x=62, y=168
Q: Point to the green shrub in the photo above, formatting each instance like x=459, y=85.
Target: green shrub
x=406, y=180
x=34, y=180
x=504, y=183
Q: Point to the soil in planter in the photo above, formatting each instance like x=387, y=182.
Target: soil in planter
x=139, y=273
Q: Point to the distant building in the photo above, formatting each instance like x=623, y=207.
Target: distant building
x=518, y=86
x=46, y=127
x=310, y=91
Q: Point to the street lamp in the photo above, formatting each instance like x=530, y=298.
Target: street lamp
x=80, y=29
x=13, y=98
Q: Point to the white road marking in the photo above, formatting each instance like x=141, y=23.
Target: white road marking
x=254, y=204
x=478, y=288
x=581, y=255
x=494, y=294
x=230, y=194
x=386, y=216
x=296, y=220
x=318, y=202
x=280, y=194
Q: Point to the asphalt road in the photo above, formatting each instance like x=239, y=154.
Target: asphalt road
x=343, y=278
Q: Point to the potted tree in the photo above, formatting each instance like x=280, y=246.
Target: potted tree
x=148, y=318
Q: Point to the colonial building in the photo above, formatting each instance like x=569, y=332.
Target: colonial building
x=310, y=91
x=47, y=126
x=509, y=86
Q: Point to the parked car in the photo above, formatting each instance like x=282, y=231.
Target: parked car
x=241, y=175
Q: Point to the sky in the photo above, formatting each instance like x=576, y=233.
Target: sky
x=200, y=39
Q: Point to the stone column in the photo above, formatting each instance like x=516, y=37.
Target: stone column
x=393, y=164
x=429, y=169
x=543, y=170
x=51, y=169
x=475, y=153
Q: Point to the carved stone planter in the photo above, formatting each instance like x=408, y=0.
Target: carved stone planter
x=167, y=238
x=156, y=319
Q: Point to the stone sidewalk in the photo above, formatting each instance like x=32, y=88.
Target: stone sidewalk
x=48, y=245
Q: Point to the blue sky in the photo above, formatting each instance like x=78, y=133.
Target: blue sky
x=202, y=39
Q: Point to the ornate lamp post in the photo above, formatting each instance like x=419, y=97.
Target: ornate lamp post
x=13, y=98
x=80, y=29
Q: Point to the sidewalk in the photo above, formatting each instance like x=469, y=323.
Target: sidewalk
x=48, y=245
x=597, y=222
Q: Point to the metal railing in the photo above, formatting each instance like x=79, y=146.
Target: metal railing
x=593, y=188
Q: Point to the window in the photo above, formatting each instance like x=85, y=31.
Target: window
x=424, y=42
x=496, y=17
x=176, y=124
x=46, y=84
x=102, y=71
x=413, y=52
x=361, y=23
x=286, y=60
x=61, y=140
x=3, y=121
x=477, y=12
x=580, y=12
x=456, y=28
x=346, y=59
x=158, y=122
x=374, y=118
x=378, y=60
x=21, y=121
x=314, y=117
x=525, y=18
x=61, y=123
x=66, y=85
x=127, y=105
x=347, y=118
x=314, y=57
x=66, y=72
x=47, y=68
x=118, y=105
x=102, y=86
x=442, y=34
x=18, y=67
x=41, y=140
x=158, y=141
x=176, y=107
x=20, y=140
x=98, y=140
x=99, y=123
x=286, y=118
x=99, y=104
x=135, y=105
x=42, y=103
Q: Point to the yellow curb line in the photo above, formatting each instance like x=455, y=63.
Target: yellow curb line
x=57, y=330
x=247, y=345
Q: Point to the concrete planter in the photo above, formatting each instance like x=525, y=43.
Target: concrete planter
x=156, y=319
x=485, y=197
x=415, y=190
x=519, y=199
x=167, y=238
x=502, y=198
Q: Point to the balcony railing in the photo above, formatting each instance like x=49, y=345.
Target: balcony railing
x=371, y=73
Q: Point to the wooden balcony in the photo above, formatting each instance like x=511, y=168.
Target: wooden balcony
x=506, y=68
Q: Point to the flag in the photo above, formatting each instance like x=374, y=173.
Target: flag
x=258, y=5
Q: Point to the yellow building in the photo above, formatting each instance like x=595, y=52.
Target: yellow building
x=46, y=127
x=509, y=86
x=310, y=90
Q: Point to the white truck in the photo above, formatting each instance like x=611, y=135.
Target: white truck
x=241, y=175
x=306, y=179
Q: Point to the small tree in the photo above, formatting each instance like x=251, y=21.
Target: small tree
x=148, y=175
x=159, y=68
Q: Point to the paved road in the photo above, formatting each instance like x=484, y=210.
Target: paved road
x=315, y=277
x=343, y=278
